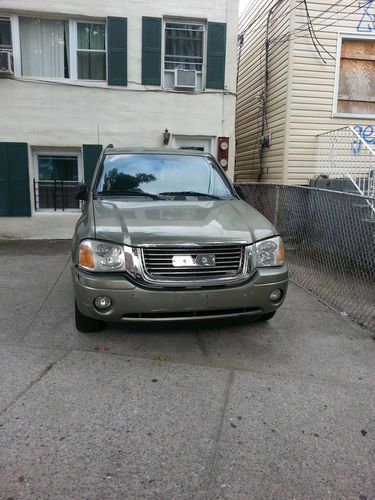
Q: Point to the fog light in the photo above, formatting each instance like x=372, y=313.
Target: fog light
x=102, y=303
x=275, y=295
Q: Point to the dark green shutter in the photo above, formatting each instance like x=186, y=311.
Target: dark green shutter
x=117, y=51
x=4, y=180
x=14, y=179
x=216, y=43
x=91, y=153
x=151, y=50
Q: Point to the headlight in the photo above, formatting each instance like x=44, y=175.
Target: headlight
x=270, y=252
x=101, y=256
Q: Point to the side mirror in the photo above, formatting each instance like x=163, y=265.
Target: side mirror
x=82, y=193
x=239, y=191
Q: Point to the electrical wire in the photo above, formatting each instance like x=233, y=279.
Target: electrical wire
x=290, y=35
x=246, y=30
x=311, y=32
x=304, y=25
x=314, y=37
x=264, y=13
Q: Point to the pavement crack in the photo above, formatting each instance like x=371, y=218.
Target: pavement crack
x=41, y=374
x=44, y=302
x=219, y=432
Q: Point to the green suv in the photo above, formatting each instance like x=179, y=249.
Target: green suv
x=164, y=236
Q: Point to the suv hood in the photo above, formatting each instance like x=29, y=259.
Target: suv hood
x=137, y=223
x=172, y=222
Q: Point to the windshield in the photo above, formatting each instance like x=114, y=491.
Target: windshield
x=164, y=175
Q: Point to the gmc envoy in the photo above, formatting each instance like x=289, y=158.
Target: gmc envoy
x=164, y=236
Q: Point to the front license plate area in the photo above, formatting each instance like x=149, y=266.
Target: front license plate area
x=183, y=261
x=202, y=260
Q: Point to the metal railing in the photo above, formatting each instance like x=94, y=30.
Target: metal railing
x=56, y=195
x=330, y=243
x=346, y=153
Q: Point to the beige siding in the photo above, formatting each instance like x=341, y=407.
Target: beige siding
x=251, y=86
x=301, y=87
x=313, y=82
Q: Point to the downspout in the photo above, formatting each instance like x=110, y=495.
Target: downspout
x=264, y=140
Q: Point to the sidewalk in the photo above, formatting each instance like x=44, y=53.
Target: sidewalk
x=42, y=225
x=238, y=411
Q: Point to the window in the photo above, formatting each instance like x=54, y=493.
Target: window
x=56, y=181
x=183, y=49
x=59, y=48
x=91, y=51
x=58, y=167
x=44, y=47
x=356, y=82
x=5, y=34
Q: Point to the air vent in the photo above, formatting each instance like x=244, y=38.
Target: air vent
x=185, y=79
x=6, y=63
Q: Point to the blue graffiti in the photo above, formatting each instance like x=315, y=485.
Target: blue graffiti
x=368, y=135
x=367, y=21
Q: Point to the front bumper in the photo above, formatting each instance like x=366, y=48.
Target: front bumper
x=131, y=303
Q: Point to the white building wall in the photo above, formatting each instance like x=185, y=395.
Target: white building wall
x=46, y=113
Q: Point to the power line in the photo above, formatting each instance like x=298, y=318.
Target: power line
x=245, y=31
x=304, y=26
x=288, y=36
x=264, y=13
x=314, y=38
x=310, y=27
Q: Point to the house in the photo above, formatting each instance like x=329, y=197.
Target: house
x=306, y=77
x=79, y=75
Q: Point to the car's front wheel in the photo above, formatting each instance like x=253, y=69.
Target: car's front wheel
x=85, y=324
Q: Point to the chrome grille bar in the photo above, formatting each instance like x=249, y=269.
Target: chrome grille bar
x=158, y=262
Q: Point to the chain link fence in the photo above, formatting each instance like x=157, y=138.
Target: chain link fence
x=329, y=238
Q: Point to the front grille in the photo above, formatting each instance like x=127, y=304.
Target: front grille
x=158, y=262
x=195, y=314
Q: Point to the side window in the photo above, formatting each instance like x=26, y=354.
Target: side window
x=356, y=82
x=183, y=55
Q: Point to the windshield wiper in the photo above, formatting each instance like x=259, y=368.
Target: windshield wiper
x=189, y=193
x=129, y=193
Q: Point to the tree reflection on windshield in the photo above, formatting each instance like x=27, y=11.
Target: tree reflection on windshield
x=118, y=181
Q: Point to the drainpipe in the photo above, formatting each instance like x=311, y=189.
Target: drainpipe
x=264, y=140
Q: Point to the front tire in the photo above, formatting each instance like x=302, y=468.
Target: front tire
x=85, y=324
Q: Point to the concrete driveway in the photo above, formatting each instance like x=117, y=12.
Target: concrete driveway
x=226, y=410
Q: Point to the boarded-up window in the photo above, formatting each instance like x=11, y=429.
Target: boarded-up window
x=357, y=78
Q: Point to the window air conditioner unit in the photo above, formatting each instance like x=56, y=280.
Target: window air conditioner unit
x=185, y=78
x=6, y=63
